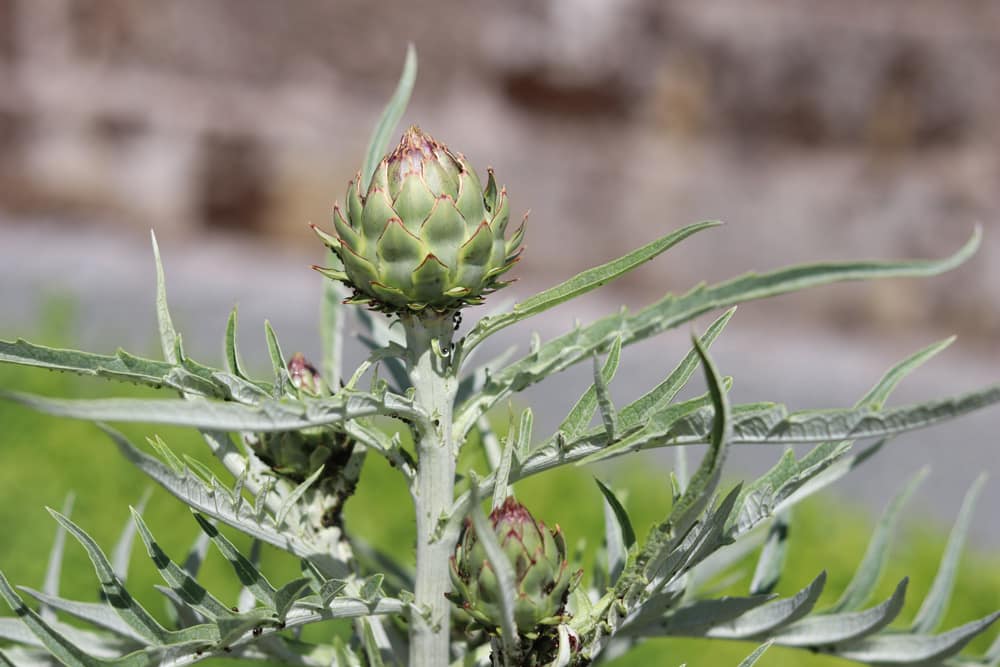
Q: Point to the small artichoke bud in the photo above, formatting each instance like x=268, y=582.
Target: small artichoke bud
x=305, y=377
x=538, y=560
x=424, y=235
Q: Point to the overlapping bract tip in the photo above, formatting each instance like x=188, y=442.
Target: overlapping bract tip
x=425, y=236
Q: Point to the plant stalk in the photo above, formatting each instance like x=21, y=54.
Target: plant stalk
x=428, y=342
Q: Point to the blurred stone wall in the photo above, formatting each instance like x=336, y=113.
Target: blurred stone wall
x=815, y=129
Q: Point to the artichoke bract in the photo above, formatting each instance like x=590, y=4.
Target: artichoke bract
x=538, y=560
x=425, y=235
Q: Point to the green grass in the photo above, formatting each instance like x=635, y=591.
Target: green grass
x=45, y=458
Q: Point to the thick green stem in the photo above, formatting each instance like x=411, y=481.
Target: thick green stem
x=428, y=344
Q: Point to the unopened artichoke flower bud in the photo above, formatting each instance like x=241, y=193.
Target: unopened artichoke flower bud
x=305, y=377
x=424, y=235
x=538, y=560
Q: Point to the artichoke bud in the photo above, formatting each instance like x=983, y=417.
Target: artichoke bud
x=538, y=560
x=305, y=378
x=425, y=235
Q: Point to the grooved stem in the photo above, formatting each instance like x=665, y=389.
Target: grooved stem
x=428, y=344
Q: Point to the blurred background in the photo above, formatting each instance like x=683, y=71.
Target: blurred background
x=815, y=130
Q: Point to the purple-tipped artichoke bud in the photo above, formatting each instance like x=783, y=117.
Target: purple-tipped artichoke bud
x=538, y=560
x=424, y=235
x=305, y=377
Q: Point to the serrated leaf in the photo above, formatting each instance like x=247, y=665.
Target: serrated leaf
x=671, y=311
x=58, y=645
x=935, y=604
x=114, y=591
x=270, y=416
x=826, y=629
x=876, y=556
x=122, y=366
x=582, y=283
x=390, y=117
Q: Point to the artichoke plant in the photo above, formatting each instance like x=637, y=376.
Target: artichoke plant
x=538, y=560
x=423, y=235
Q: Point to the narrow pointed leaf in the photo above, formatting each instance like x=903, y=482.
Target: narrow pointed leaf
x=876, y=557
x=619, y=536
x=123, y=547
x=288, y=594
x=248, y=575
x=393, y=112
x=751, y=659
x=772, y=557
x=277, y=360
x=270, y=416
x=54, y=567
x=584, y=282
x=60, y=647
x=896, y=649
x=332, y=332
x=773, y=615
x=826, y=629
x=101, y=615
x=579, y=417
x=672, y=311
x=505, y=578
x=290, y=501
x=130, y=611
x=232, y=352
x=180, y=581
x=168, y=335
x=935, y=604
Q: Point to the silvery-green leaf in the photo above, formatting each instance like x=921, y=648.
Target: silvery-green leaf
x=123, y=547
x=331, y=329
x=751, y=659
x=270, y=416
x=114, y=591
x=665, y=392
x=278, y=366
x=773, y=615
x=772, y=557
x=54, y=567
x=901, y=649
x=582, y=283
x=933, y=608
x=181, y=582
x=696, y=618
x=876, y=557
x=372, y=649
x=826, y=629
x=292, y=499
x=249, y=576
x=99, y=614
x=505, y=579
x=619, y=536
x=579, y=417
x=390, y=117
x=168, y=335
x=288, y=594
x=671, y=311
